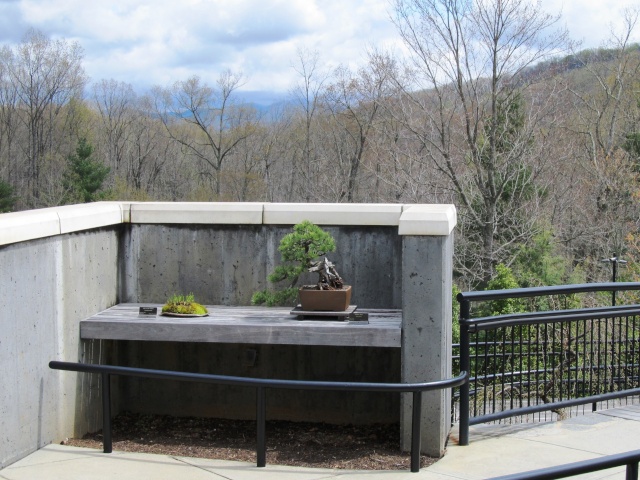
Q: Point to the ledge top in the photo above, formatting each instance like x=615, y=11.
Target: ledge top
x=378, y=214
x=46, y=222
x=418, y=219
x=428, y=219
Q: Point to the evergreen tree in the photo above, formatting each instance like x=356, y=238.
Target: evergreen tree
x=7, y=200
x=84, y=176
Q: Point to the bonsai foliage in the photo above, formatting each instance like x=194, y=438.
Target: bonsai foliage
x=300, y=251
x=184, y=304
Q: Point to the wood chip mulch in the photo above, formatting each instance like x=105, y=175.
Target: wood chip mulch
x=361, y=447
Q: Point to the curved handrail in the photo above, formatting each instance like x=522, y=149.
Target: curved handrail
x=260, y=384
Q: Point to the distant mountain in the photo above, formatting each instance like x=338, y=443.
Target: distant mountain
x=261, y=99
x=576, y=61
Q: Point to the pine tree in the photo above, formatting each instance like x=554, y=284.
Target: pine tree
x=84, y=176
x=7, y=199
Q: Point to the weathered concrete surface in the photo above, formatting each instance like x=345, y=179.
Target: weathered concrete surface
x=426, y=335
x=344, y=364
x=225, y=265
x=47, y=287
x=49, y=284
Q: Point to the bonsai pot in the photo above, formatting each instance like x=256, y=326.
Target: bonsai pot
x=312, y=299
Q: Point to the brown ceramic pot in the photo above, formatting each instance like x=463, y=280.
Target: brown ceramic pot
x=314, y=300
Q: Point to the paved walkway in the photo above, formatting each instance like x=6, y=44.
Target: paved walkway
x=494, y=450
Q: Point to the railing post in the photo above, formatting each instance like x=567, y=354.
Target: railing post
x=465, y=312
x=416, y=416
x=106, y=412
x=632, y=471
x=261, y=418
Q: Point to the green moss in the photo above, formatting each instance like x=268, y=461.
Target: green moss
x=184, y=305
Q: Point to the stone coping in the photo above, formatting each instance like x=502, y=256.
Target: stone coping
x=46, y=222
x=411, y=219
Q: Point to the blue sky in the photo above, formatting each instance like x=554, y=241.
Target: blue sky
x=158, y=42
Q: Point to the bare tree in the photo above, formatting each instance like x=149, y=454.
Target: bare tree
x=149, y=152
x=354, y=102
x=265, y=169
x=115, y=102
x=604, y=113
x=276, y=148
x=478, y=110
x=307, y=94
x=8, y=120
x=47, y=74
x=217, y=124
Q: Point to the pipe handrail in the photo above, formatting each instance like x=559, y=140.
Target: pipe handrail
x=547, y=316
x=628, y=459
x=261, y=384
x=483, y=295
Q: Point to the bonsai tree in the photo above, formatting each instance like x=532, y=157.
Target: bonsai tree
x=184, y=305
x=300, y=251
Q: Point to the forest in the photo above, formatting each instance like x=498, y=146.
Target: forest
x=535, y=141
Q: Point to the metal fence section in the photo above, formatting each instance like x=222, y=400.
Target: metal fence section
x=537, y=366
x=261, y=405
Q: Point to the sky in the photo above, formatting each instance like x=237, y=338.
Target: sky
x=159, y=42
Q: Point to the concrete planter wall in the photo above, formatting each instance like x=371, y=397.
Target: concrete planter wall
x=225, y=264
x=48, y=285
x=63, y=264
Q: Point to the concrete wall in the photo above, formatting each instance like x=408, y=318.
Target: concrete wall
x=226, y=264
x=60, y=265
x=355, y=364
x=47, y=286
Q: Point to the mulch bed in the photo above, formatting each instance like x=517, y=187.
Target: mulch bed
x=366, y=447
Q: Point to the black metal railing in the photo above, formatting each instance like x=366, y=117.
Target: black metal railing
x=628, y=459
x=261, y=385
x=524, y=364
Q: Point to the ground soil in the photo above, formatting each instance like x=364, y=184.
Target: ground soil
x=371, y=447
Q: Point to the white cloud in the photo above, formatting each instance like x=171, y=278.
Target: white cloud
x=153, y=42
x=592, y=21
x=158, y=42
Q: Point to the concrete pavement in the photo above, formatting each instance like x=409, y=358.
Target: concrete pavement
x=494, y=450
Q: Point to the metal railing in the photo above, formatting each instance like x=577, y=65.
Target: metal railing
x=527, y=363
x=628, y=459
x=261, y=385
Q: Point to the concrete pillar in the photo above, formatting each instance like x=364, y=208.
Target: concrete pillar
x=427, y=267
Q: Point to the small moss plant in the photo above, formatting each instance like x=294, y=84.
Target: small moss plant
x=184, y=305
x=300, y=250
